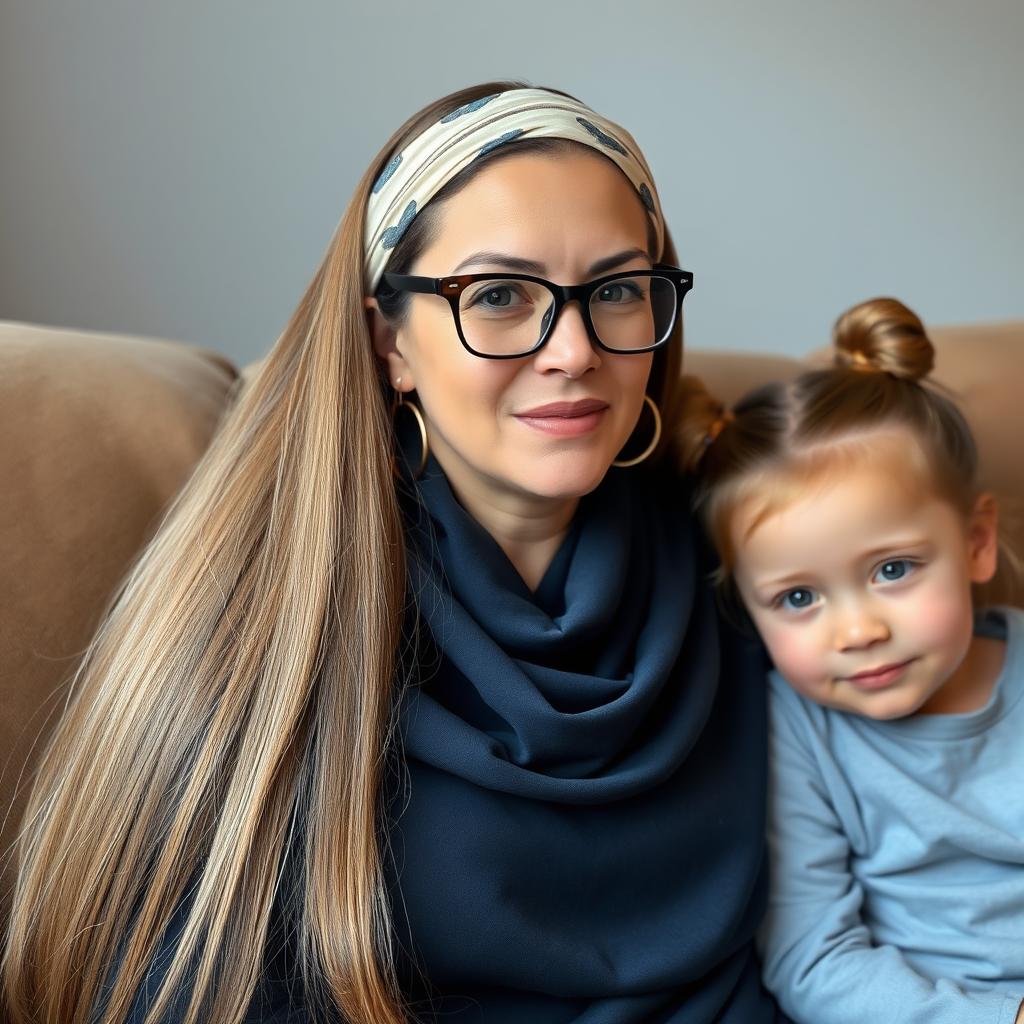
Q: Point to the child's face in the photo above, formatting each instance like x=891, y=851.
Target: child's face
x=862, y=589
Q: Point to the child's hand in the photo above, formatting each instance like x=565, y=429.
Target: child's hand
x=1019, y=1019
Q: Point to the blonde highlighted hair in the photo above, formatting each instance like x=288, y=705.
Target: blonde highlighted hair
x=241, y=692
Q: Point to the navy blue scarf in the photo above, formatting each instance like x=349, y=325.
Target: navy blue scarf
x=578, y=833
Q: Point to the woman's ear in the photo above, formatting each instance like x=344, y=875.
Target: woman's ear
x=385, y=345
x=983, y=539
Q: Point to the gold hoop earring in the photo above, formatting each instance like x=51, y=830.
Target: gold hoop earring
x=626, y=463
x=401, y=403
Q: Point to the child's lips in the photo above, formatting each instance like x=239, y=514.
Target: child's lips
x=878, y=678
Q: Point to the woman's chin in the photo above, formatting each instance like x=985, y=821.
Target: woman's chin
x=551, y=475
x=565, y=476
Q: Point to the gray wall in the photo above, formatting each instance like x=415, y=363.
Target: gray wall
x=177, y=168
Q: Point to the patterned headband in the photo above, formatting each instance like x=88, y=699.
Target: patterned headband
x=416, y=174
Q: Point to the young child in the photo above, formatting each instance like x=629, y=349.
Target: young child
x=847, y=514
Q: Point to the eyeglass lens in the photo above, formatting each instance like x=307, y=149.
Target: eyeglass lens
x=508, y=317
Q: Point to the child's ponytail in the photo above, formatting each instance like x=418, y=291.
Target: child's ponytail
x=704, y=417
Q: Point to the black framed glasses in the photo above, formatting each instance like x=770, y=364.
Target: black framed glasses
x=508, y=316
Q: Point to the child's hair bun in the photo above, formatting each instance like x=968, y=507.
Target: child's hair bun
x=883, y=335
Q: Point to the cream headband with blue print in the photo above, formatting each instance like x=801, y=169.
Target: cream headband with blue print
x=416, y=174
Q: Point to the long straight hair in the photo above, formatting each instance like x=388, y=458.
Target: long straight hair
x=228, y=727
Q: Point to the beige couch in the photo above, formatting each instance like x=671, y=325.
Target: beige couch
x=99, y=431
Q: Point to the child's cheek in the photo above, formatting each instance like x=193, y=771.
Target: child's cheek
x=943, y=622
x=796, y=655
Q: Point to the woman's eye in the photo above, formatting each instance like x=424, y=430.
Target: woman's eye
x=894, y=569
x=620, y=291
x=797, y=599
x=497, y=296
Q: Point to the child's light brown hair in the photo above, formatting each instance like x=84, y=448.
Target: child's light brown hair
x=780, y=436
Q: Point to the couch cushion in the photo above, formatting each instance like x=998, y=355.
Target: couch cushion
x=99, y=432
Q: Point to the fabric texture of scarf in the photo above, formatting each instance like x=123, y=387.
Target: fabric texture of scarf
x=577, y=833
x=416, y=174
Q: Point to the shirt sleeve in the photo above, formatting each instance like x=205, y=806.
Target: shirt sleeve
x=819, y=958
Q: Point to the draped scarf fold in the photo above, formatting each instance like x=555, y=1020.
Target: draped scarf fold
x=579, y=833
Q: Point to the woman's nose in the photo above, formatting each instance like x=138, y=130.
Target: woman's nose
x=858, y=626
x=568, y=349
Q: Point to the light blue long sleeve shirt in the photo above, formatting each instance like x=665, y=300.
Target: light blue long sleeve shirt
x=898, y=858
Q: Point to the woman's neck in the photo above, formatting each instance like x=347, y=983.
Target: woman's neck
x=528, y=528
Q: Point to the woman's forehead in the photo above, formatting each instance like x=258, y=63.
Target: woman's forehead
x=551, y=209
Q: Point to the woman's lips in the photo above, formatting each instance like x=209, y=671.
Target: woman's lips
x=565, y=419
x=879, y=678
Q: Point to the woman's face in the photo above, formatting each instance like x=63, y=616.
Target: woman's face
x=557, y=217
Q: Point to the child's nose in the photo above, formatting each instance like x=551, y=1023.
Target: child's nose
x=860, y=626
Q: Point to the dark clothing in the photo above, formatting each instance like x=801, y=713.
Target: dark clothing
x=580, y=839
x=576, y=825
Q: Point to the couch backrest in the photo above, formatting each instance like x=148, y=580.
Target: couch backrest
x=99, y=432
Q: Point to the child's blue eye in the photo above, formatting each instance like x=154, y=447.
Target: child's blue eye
x=797, y=599
x=895, y=569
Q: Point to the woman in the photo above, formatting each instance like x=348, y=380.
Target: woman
x=466, y=740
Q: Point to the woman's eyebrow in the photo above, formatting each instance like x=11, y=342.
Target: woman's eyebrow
x=501, y=259
x=611, y=262
x=524, y=266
